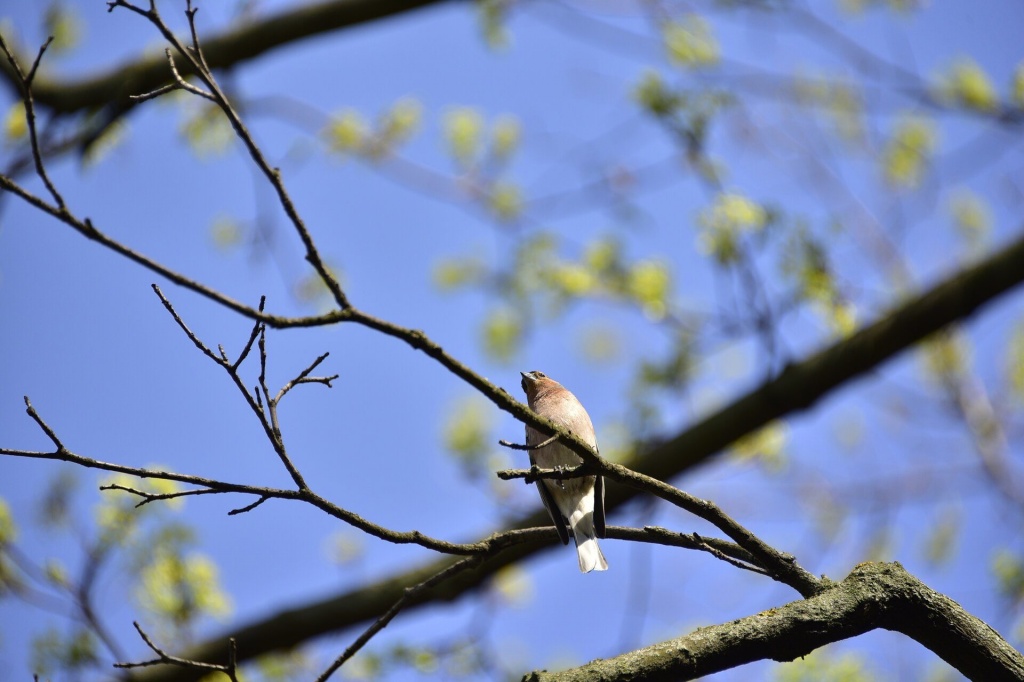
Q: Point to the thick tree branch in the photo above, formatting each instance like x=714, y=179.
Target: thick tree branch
x=873, y=596
x=247, y=41
x=801, y=385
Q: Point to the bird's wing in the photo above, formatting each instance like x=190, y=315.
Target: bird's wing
x=532, y=438
x=599, y=506
x=556, y=516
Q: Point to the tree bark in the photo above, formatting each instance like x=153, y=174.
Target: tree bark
x=873, y=596
x=235, y=46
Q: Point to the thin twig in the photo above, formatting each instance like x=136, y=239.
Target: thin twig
x=535, y=473
x=155, y=497
x=153, y=94
x=224, y=487
x=85, y=227
x=50, y=433
x=527, y=446
x=167, y=659
x=380, y=623
x=252, y=338
x=248, y=507
x=184, y=84
x=304, y=378
x=30, y=114
x=184, y=327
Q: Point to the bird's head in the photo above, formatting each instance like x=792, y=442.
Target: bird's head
x=535, y=383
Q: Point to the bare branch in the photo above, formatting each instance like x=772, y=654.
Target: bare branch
x=535, y=473
x=408, y=594
x=874, y=596
x=182, y=84
x=252, y=337
x=249, y=507
x=50, y=433
x=527, y=446
x=306, y=495
x=304, y=378
x=25, y=83
x=86, y=228
x=184, y=327
x=155, y=497
x=153, y=94
x=167, y=659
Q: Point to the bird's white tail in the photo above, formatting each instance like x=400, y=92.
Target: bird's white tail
x=587, y=549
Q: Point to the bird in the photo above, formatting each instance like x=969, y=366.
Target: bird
x=576, y=501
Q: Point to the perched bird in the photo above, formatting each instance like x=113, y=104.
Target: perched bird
x=578, y=501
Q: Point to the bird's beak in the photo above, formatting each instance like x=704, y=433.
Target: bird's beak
x=523, y=375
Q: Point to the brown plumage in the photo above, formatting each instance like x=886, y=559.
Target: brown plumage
x=578, y=502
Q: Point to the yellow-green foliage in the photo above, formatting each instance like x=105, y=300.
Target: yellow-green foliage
x=313, y=289
x=843, y=101
x=1017, y=85
x=1008, y=569
x=725, y=222
x=467, y=431
x=542, y=278
x=940, y=543
x=513, y=585
x=967, y=84
x=452, y=273
x=62, y=22
x=909, y=151
x=463, y=132
x=600, y=342
x=806, y=262
x=8, y=531
x=858, y=6
x=654, y=95
x=53, y=651
x=111, y=138
x=179, y=588
x=506, y=200
x=55, y=573
x=279, y=667
x=690, y=42
x=226, y=233
x=15, y=123
x=506, y=132
x=971, y=216
x=502, y=332
x=820, y=666
x=766, y=445
x=117, y=516
x=945, y=356
x=207, y=130
x=492, y=19
x=349, y=133
x=346, y=547
x=469, y=138
x=649, y=283
x=1015, y=361
x=398, y=123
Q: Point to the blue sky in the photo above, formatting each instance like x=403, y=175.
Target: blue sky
x=84, y=336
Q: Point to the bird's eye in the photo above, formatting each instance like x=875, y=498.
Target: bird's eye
x=540, y=375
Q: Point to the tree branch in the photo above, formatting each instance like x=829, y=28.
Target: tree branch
x=246, y=41
x=874, y=596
